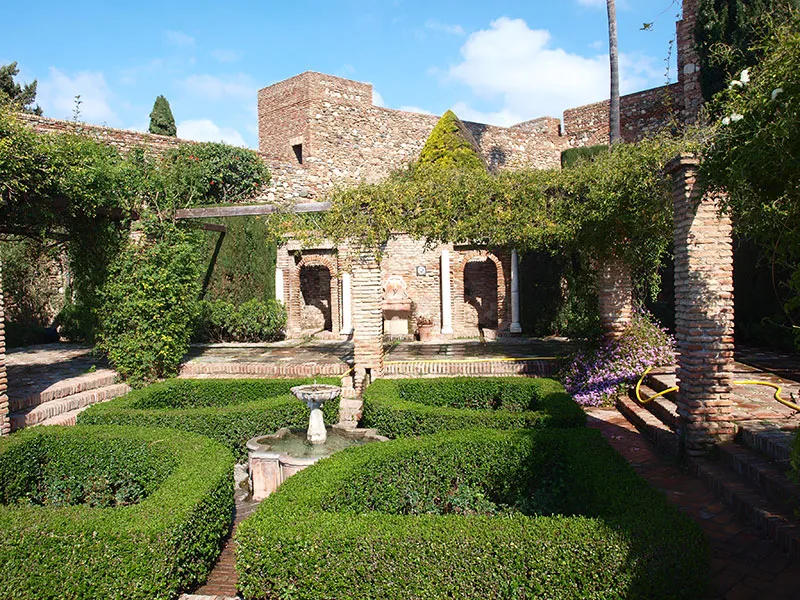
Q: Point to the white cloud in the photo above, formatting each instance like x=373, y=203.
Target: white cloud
x=205, y=130
x=518, y=65
x=225, y=55
x=179, y=38
x=377, y=99
x=444, y=27
x=504, y=117
x=209, y=87
x=415, y=109
x=56, y=95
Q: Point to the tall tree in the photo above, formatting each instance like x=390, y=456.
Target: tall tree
x=161, y=120
x=13, y=94
x=614, y=134
x=729, y=34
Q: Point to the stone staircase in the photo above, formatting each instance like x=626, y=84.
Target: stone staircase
x=61, y=402
x=750, y=474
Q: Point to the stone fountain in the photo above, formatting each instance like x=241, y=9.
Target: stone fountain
x=275, y=457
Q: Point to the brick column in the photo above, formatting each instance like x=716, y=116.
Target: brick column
x=367, y=296
x=703, y=310
x=5, y=423
x=614, y=296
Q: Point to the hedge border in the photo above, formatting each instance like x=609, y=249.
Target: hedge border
x=630, y=543
x=155, y=549
x=272, y=407
x=385, y=409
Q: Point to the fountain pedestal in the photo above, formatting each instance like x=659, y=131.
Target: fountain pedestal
x=315, y=396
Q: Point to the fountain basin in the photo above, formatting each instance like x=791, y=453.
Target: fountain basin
x=275, y=457
x=315, y=395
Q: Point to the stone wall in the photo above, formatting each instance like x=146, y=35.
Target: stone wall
x=5, y=423
x=344, y=137
x=703, y=310
x=641, y=115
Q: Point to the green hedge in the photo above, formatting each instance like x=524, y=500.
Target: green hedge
x=165, y=503
x=401, y=407
x=389, y=521
x=230, y=411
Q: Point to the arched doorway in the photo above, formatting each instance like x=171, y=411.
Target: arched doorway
x=315, y=293
x=480, y=294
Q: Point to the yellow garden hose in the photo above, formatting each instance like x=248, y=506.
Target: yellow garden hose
x=778, y=390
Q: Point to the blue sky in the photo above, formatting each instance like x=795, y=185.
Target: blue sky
x=498, y=61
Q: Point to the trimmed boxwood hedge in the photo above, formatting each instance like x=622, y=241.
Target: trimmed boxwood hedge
x=350, y=527
x=55, y=544
x=230, y=411
x=403, y=407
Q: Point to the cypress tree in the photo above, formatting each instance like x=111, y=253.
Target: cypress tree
x=13, y=94
x=161, y=120
x=450, y=145
x=727, y=35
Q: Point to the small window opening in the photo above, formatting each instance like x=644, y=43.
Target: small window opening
x=298, y=152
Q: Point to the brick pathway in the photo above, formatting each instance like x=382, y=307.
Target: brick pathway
x=744, y=564
x=222, y=581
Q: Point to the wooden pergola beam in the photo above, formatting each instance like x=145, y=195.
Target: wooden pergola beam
x=249, y=210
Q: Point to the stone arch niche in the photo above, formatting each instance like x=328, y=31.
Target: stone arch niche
x=480, y=293
x=314, y=295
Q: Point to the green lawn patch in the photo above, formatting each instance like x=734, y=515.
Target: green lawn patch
x=403, y=407
x=110, y=512
x=230, y=411
x=543, y=513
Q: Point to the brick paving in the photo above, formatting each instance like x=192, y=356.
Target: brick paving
x=744, y=564
x=222, y=580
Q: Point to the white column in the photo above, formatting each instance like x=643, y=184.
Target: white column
x=515, y=326
x=347, y=305
x=279, y=286
x=447, y=304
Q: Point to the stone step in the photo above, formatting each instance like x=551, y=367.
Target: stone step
x=768, y=439
x=765, y=475
x=67, y=418
x=661, y=380
x=62, y=389
x=662, y=408
x=774, y=519
x=655, y=430
x=37, y=415
x=259, y=370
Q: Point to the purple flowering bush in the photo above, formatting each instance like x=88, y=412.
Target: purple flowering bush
x=596, y=376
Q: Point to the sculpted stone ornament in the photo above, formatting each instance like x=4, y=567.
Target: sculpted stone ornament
x=396, y=306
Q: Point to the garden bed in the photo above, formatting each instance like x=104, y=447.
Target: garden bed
x=110, y=512
x=402, y=407
x=472, y=514
x=230, y=411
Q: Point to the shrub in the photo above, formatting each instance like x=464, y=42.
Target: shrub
x=253, y=321
x=356, y=525
x=110, y=512
x=404, y=407
x=573, y=156
x=596, y=376
x=230, y=411
x=150, y=305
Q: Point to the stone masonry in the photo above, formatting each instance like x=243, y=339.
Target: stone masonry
x=703, y=310
x=641, y=115
x=330, y=126
x=688, y=63
x=5, y=423
x=615, y=296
